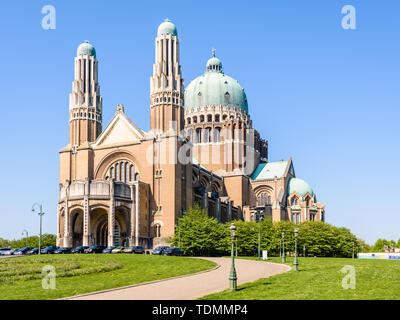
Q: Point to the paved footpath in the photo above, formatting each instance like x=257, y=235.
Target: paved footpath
x=194, y=286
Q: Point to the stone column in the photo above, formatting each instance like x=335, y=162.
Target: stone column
x=132, y=216
x=67, y=222
x=111, y=216
x=137, y=187
x=86, y=222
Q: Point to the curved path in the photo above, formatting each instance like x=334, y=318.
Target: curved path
x=193, y=286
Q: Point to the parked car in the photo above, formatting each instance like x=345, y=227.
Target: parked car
x=49, y=250
x=118, y=250
x=108, y=249
x=3, y=250
x=63, y=250
x=134, y=249
x=33, y=251
x=95, y=249
x=159, y=250
x=8, y=252
x=80, y=249
x=22, y=251
x=172, y=252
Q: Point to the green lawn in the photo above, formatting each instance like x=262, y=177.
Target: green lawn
x=321, y=278
x=21, y=278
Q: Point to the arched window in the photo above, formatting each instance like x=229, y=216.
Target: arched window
x=122, y=171
x=188, y=121
x=198, y=135
x=207, y=135
x=157, y=230
x=209, y=118
x=132, y=174
x=217, y=134
x=117, y=174
x=263, y=199
x=201, y=118
x=217, y=118
x=194, y=119
x=127, y=172
x=137, y=177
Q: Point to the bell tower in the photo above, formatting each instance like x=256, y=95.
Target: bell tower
x=166, y=84
x=85, y=101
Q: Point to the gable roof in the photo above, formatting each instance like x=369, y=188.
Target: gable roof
x=270, y=170
x=120, y=130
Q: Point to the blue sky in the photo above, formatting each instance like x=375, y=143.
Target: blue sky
x=326, y=96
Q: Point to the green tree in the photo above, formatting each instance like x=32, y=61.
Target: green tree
x=200, y=234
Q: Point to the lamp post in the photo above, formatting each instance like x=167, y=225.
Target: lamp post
x=283, y=248
x=280, y=248
x=236, y=240
x=295, y=262
x=260, y=218
x=232, y=275
x=40, y=213
x=353, y=251
x=26, y=233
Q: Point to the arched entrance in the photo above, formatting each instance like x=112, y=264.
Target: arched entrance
x=77, y=227
x=99, y=227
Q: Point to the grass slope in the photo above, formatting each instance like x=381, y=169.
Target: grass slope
x=321, y=279
x=21, y=278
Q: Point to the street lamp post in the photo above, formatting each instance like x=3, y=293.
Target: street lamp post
x=232, y=275
x=26, y=238
x=283, y=248
x=353, y=251
x=40, y=213
x=280, y=248
x=295, y=262
x=236, y=240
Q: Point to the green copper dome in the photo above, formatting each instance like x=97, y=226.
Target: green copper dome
x=299, y=186
x=167, y=27
x=86, y=48
x=215, y=88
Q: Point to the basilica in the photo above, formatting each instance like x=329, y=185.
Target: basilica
x=121, y=185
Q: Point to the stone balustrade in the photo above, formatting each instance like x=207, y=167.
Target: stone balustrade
x=95, y=189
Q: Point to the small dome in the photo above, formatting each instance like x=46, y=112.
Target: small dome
x=215, y=88
x=299, y=186
x=167, y=27
x=214, y=64
x=86, y=49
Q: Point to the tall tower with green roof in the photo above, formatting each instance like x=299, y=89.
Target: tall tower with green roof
x=85, y=101
x=166, y=84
